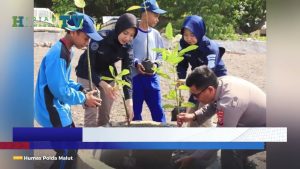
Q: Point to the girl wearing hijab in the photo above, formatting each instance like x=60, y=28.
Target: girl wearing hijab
x=208, y=52
x=115, y=46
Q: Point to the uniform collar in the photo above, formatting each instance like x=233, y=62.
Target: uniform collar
x=219, y=89
x=145, y=31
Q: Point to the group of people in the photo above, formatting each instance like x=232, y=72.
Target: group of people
x=237, y=103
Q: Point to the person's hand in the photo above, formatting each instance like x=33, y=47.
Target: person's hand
x=185, y=162
x=185, y=117
x=91, y=100
x=180, y=82
x=129, y=106
x=109, y=90
x=140, y=68
x=151, y=74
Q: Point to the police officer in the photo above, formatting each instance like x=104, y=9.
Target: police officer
x=237, y=103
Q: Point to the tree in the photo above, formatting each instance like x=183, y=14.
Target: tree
x=223, y=18
x=252, y=15
x=63, y=6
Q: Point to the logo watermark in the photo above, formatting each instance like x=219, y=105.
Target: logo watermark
x=41, y=158
x=25, y=21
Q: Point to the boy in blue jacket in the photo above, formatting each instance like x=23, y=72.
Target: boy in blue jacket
x=55, y=92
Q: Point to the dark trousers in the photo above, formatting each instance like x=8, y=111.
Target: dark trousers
x=65, y=164
x=236, y=159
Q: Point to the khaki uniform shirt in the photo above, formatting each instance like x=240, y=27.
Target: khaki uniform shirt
x=238, y=103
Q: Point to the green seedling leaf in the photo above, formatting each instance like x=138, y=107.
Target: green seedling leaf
x=187, y=104
x=164, y=55
x=159, y=50
x=166, y=76
x=80, y=3
x=134, y=7
x=183, y=87
x=123, y=83
x=111, y=69
x=174, y=83
x=98, y=26
x=168, y=106
x=171, y=95
x=176, y=49
x=124, y=72
x=163, y=51
x=169, y=31
x=187, y=49
x=106, y=78
x=174, y=53
x=159, y=71
x=173, y=70
x=175, y=60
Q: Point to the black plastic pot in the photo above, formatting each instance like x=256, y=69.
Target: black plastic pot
x=176, y=111
x=148, y=65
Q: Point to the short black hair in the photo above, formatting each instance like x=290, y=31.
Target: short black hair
x=202, y=77
x=68, y=32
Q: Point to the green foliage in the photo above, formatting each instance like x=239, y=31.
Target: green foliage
x=135, y=7
x=119, y=83
x=63, y=6
x=252, y=15
x=169, y=32
x=80, y=3
x=117, y=78
x=171, y=58
x=225, y=19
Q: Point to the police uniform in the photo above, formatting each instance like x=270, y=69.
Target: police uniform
x=237, y=103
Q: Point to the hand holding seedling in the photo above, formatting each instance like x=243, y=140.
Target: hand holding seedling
x=141, y=69
x=119, y=83
x=180, y=82
x=91, y=100
x=111, y=91
x=185, y=117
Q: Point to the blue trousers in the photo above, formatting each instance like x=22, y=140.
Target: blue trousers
x=146, y=88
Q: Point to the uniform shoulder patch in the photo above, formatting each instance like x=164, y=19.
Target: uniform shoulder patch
x=234, y=102
x=220, y=116
x=94, y=46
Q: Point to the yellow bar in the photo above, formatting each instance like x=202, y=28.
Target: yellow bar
x=17, y=157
